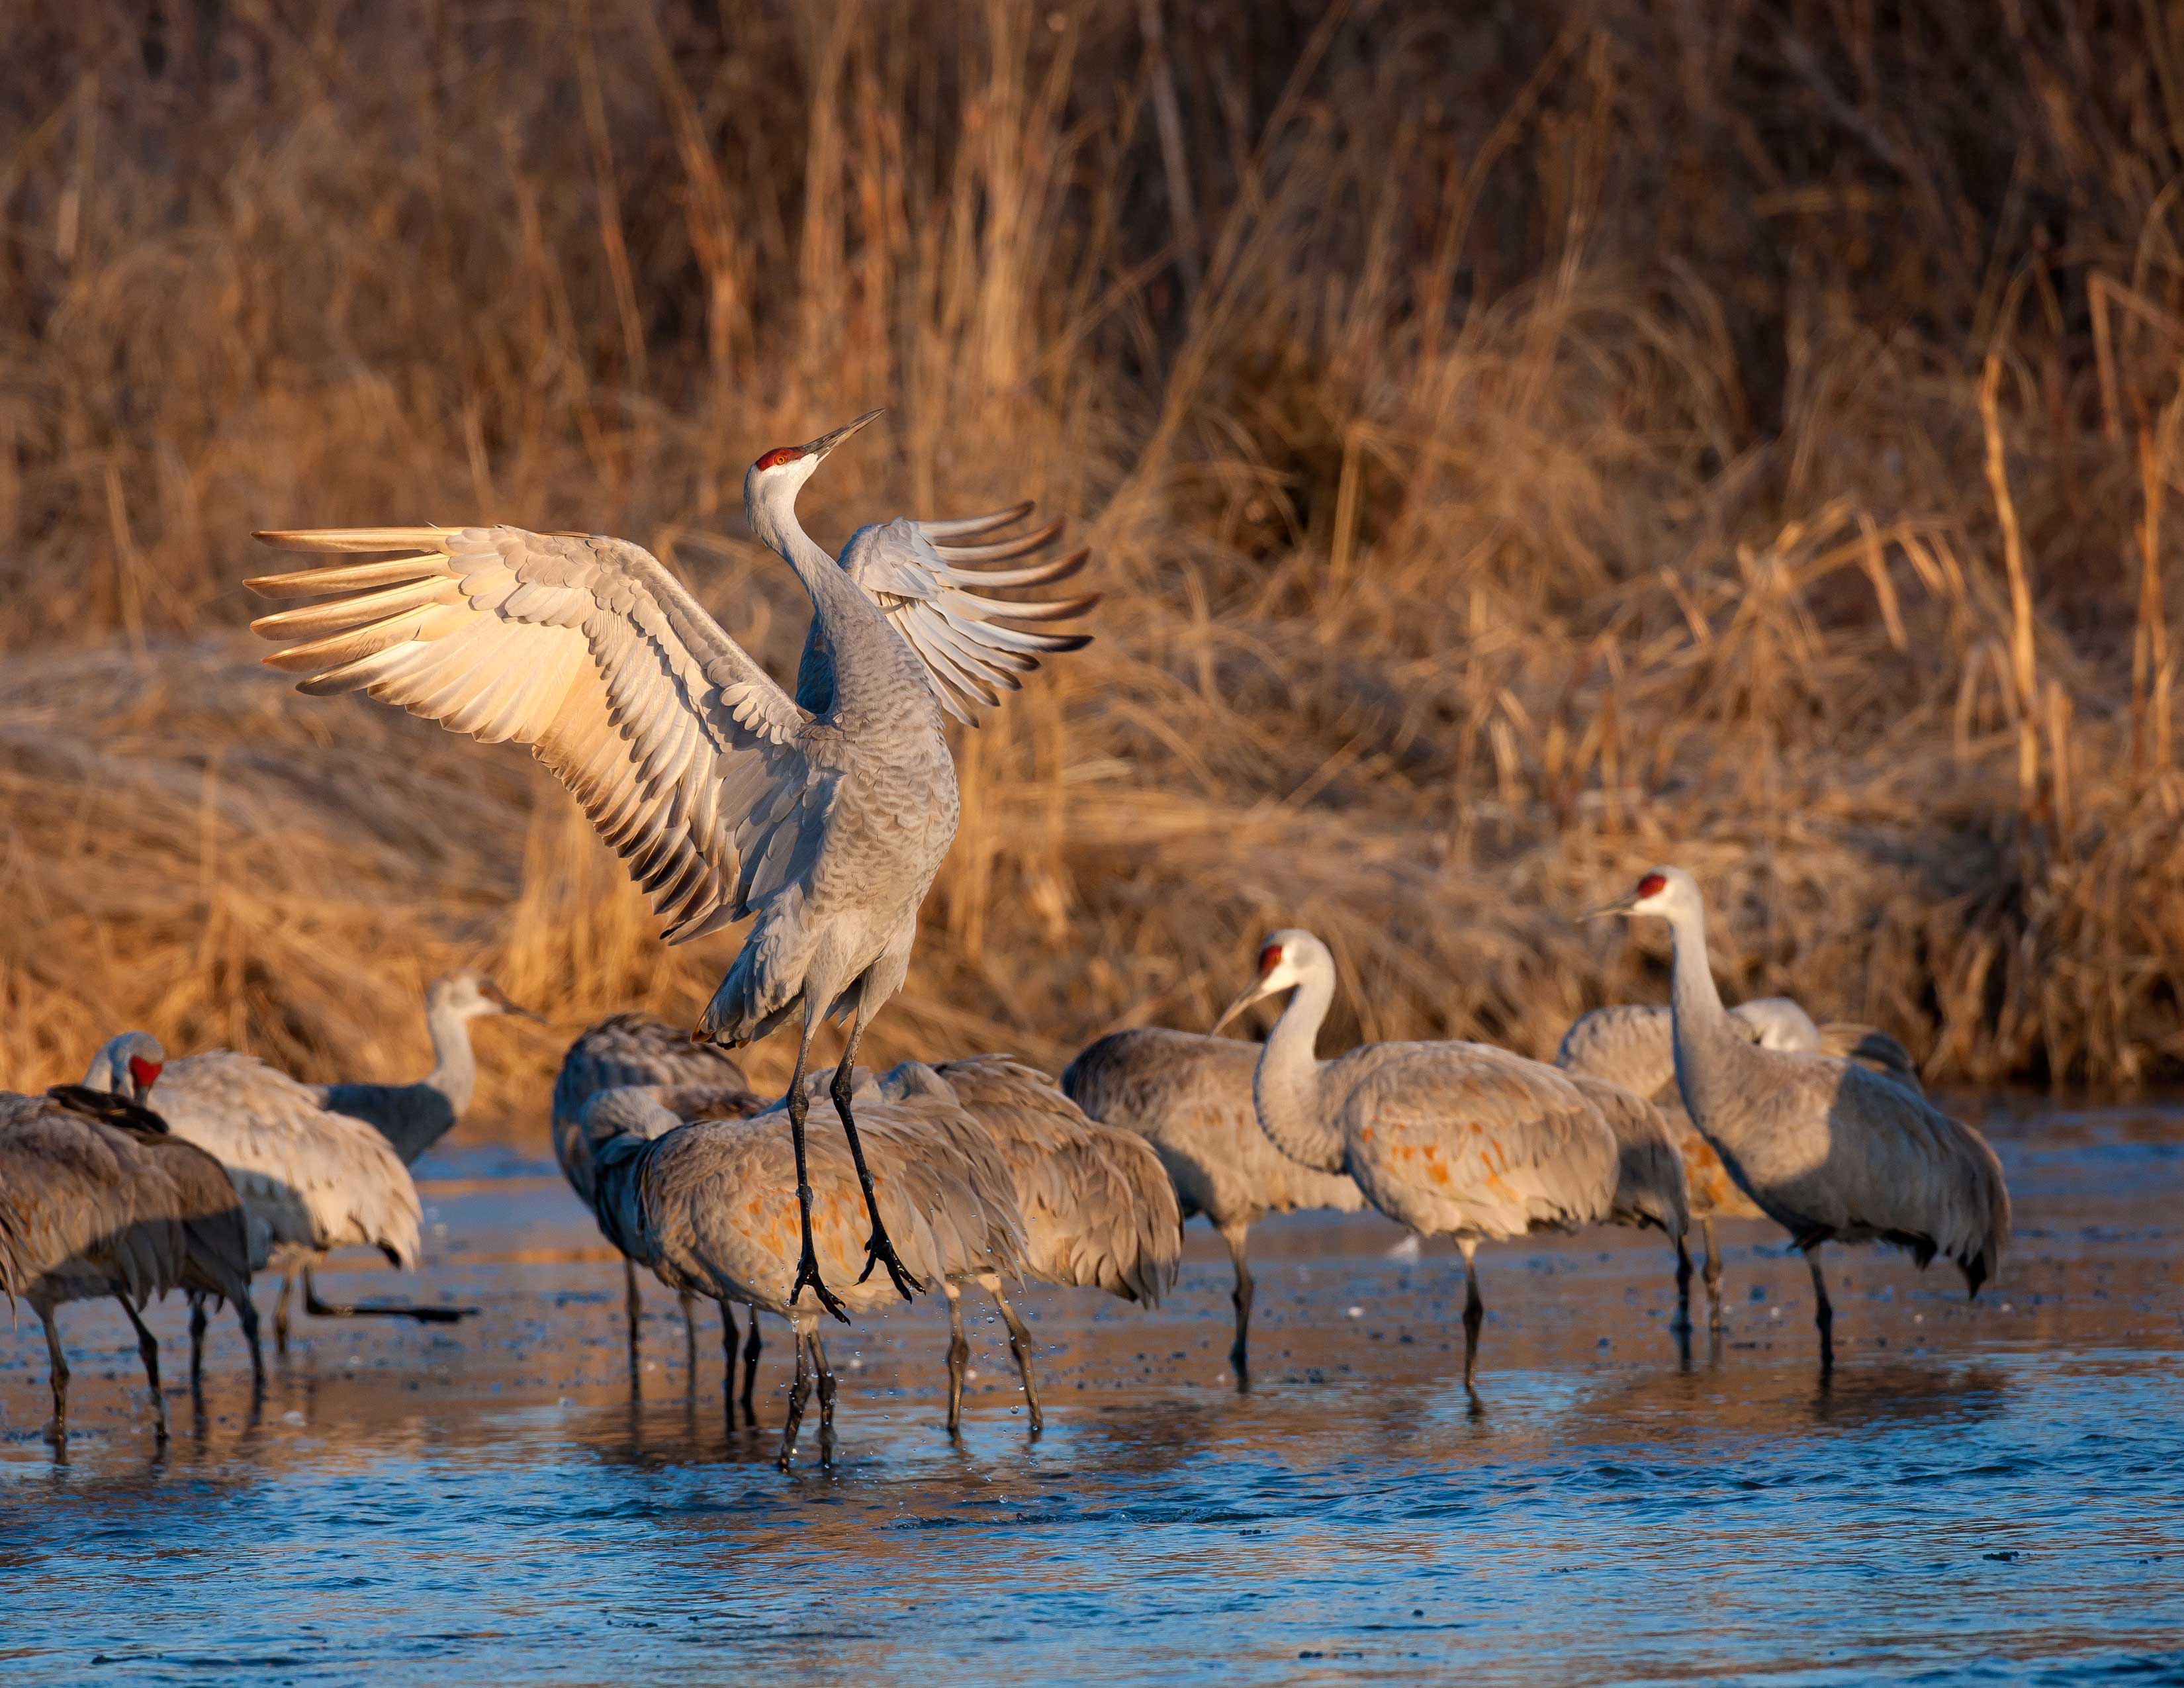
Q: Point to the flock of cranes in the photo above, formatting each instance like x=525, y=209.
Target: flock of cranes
x=824, y=817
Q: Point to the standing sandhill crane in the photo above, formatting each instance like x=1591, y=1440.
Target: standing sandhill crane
x=1633, y=1046
x=413, y=1117
x=707, y=1205
x=1450, y=1138
x=97, y=1199
x=1650, y=1185
x=1828, y=1149
x=316, y=1179
x=1098, y=1210
x=1189, y=1096
x=627, y=1050
x=826, y=815
x=649, y=1110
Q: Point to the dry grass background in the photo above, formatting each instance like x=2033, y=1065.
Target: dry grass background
x=1522, y=443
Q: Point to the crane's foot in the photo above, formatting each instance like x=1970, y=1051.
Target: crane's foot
x=880, y=1251
x=807, y=1272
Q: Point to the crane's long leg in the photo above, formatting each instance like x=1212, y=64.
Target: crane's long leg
x=958, y=1352
x=752, y=1345
x=798, y=1392
x=1712, y=1273
x=148, y=1345
x=1239, y=1353
x=245, y=1313
x=1475, y=1314
x=807, y=1264
x=56, y=1375
x=690, y=1331
x=1019, y=1346
x=879, y=1251
x=632, y=1306
x=423, y=1314
x=1683, y=1323
x=196, y=1344
x=1823, y=1315
x=825, y=1399
x=281, y=1315
x=729, y=1358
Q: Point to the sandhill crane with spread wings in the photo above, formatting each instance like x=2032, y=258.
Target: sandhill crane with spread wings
x=635, y=1049
x=1189, y=1096
x=824, y=816
x=97, y=1199
x=1633, y=1046
x=316, y=1179
x=1098, y=1210
x=1828, y=1149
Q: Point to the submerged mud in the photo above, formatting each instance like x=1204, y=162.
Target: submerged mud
x=1988, y=1490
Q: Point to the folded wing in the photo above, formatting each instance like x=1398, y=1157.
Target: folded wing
x=686, y=755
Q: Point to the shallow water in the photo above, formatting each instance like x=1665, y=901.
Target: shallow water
x=1985, y=1493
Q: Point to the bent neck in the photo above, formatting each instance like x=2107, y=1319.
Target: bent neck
x=1285, y=1085
x=846, y=618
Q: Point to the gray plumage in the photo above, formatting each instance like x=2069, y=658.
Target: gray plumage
x=825, y=820
x=1633, y=1046
x=710, y=1205
x=97, y=1199
x=1097, y=1207
x=413, y=1117
x=1826, y=1148
x=1450, y=1138
x=1189, y=1096
x=631, y=1050
x=316, y=1179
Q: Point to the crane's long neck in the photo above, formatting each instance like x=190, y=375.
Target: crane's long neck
x=1285, y=1086
x=1709, y=1048
x=846, y=617
x=454, y=1065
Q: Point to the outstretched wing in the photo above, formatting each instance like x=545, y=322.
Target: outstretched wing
x=932, y=578
x=687, y=758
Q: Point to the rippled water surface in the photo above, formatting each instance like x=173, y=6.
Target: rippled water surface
x=1987, y=1493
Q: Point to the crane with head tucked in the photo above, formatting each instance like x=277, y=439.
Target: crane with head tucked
x=1828, y=1149
x=98, y=1198
x=629, y=1049
x=316, y=1179
x=824, y=815
x=1633, y=1046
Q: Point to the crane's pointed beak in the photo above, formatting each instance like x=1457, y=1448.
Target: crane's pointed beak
x=1620, y=905
x=1258, y=990
x=827, y=443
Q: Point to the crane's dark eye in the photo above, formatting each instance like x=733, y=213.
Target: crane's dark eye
x=1269, y=959
x=779, y=455
x=1652, y=884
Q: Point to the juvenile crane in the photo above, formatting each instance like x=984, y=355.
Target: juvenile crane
x=316, y=1179
x=1189, y=1096
x=714, y=1208
x=97, y=1199
x=626, y=1050
x=1450, y=1138
x=1633, y=1046
x=1098, y=1210
x=824, y=816
x=1827, y=1149
x=413, y=1117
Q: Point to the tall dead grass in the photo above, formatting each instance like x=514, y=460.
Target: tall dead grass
x=1520, y=444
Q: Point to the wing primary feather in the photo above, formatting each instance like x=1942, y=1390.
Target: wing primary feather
x=969, y=526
